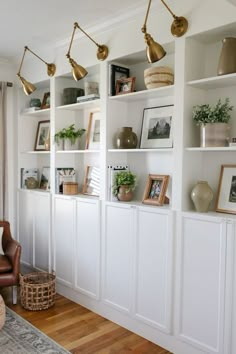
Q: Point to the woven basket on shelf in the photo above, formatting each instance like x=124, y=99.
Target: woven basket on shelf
x=37, y=290
x=158, y=76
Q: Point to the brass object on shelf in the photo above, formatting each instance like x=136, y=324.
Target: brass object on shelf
x=27, y=86
x=77, y=70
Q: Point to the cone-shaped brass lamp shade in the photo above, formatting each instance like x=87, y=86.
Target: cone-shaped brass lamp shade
x=27, y=86
x=155, y=51
x=51, y=69
x=77, y=70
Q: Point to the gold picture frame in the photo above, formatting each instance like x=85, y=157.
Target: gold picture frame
x=155, y=190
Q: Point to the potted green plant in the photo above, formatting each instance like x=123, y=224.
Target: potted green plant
x=69, y=136
x=124, y=184
x=213, y=122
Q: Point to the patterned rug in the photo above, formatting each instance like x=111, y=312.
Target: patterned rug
x=20, y=337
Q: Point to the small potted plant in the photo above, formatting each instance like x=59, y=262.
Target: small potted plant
x=124, y=184
x=69, y=136
x=213, y=122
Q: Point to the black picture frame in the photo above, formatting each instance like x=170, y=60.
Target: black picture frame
x=117, y=73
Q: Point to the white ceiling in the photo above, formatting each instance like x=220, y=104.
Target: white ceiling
x=45, y=22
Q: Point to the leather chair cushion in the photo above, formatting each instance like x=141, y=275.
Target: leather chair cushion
x=5, y=265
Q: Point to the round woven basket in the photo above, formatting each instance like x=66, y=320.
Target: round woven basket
x=37, y=291
x=2, y=312
x=158, y=76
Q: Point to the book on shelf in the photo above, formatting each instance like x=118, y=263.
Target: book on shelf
x=64, y=174
x=30, y=109
x=112, y=170
x=27, y=173
x=116, y=72
x=91, y=97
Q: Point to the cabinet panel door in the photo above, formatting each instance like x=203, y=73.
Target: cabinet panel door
x=202, y=283
x=153, y=268
x=25, y=228
x=42, y=232
x=64, y=235
x=118, y=256
x=87, y=247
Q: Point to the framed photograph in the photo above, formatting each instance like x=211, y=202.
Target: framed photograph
x=46, y=101
x=93, y=131
x=226, y=194
x=42, y=134
x=45, y=179
x=117, y=72
x=155, y=190
x=125, y=85
x=91, y=184
x=157, y=127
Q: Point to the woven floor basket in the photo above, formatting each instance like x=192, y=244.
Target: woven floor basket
x=37, y=290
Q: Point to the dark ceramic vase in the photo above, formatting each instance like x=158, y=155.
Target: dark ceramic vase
x=126, y=139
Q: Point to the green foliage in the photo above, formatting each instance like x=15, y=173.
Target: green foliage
x=124, y=178
x=69, y=133
x=220, y=113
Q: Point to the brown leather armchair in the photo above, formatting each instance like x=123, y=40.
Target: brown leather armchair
x=9, y=261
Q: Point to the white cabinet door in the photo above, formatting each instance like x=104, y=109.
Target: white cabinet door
x=64, y=239
x=202, y=282
x=25, y=225
x=153, y=267
x=87, y=260
x=42, y=249
x=118, y=256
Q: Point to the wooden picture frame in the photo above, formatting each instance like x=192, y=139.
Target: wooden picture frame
x=157, y=127
x=46, y=101
x=93, y=131
x=155, y=190
x=42, y=134
x=91, y=185
x=124, y=86
x=226, y=193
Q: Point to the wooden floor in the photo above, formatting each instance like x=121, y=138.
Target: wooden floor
x=82, y=331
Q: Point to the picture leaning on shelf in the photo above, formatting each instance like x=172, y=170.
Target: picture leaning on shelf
x=226, y=194
x=42, y=134
x=117, y=72
x=93, y=131
x=91, y=185
x=45, y=179
x=155, y=190
x=124, y=86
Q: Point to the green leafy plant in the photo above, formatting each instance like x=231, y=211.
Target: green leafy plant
x=124, y=178
x=220, y=113
x=69, y=133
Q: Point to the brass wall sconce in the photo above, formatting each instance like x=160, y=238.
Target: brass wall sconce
x=27, y=86
x=179, y=27
x=77, y=70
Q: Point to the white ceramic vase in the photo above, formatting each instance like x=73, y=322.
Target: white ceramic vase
x=202, y=196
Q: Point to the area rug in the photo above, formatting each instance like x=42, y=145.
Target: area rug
x=20, y=337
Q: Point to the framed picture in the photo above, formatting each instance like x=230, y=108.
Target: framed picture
x=91, y=184
x=42, y=134
x=125, y=85
x=157, y=127
x=117, y=72
x=93, y=131
x=155, y=190
x=45, y=179
x=226, y=194
x=46, y=101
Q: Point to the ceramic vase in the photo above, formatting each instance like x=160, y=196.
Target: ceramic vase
x=227, y=60
x=214, y=134
x=124, y=194
x=202, y=196
x=126, y=139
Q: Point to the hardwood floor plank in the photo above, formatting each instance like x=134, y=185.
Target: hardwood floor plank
x=83, y=332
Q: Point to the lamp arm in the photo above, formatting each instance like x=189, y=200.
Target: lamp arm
x=27, y=48
x=72, y=37
x=175, y=17
x=21, y=62
x=144, y=28
x=86, y=34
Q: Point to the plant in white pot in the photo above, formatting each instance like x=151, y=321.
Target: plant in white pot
x=70, y=137
x=124, y=184
x=213, y=122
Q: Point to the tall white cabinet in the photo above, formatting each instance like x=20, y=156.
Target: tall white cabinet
x=166, y=273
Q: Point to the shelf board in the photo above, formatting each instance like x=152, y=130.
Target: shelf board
x=142, y=95
x=77, y=151
x=141, y=150
x=80, y=105
x=35, y=152
x=39, y=113
x=227, y=148
x=214, y=82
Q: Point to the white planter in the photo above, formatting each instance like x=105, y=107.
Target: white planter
x=69, y=146
x=214, y=134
